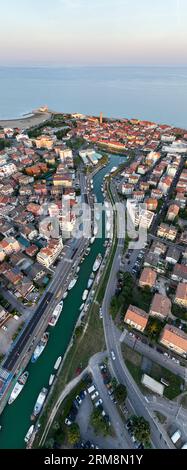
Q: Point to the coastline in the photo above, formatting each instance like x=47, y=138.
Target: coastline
x=33, y=119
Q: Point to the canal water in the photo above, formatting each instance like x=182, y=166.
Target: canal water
x=15, y=419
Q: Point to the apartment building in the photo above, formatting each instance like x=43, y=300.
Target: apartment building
x=174, y=339
x=136, y=318
x=50, y=253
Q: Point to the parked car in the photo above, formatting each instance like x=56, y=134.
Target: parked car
x=4, y=328
x=99, y=402
x=95, y=394
x=79, y=401
x=68, y=422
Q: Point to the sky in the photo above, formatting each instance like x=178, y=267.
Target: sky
x=93, y=32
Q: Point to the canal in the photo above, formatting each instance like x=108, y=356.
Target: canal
x=15, y=419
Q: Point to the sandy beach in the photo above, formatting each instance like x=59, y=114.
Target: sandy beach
x=26, y=122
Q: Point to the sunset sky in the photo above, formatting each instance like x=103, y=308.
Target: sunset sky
x=93, y=32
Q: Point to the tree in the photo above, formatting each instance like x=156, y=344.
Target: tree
x=141, y=429
x=73, y=433
x=120, y=393
x=99, y=423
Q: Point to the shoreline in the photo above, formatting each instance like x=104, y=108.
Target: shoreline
x=27, y=120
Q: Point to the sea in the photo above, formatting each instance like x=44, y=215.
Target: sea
x=151, y=93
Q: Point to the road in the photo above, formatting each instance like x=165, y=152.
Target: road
x=159, y=437
x=152, y=354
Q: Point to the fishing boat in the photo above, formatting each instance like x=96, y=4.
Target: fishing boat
x=90, y=281
x=85, y=294
x=39, y=403
x=57, y=363
x=18, y=387
x=51, y=378
x=40, y=347
x=65, y=295
x=92, y=240
x=72, y=283
x=56, y=314
x=97, y=262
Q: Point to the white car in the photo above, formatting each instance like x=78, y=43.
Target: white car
x=79, y=401
x=68, y=422
x=99, y=402
x=95, y=394
x=4, y=328
x=113, y=355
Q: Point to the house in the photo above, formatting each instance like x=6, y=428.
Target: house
x=156, y=193
x=173, y=255
x=9, y=245
x=174, y=339
x=138, y=195
x=179, y=273
x=50, y=253
x=172, y=212
x=183, y=237
x=181, y=295
x=148, y=278
x=136, y=318
x=167, y=231
x=158, y=248
x=44, y=141
x=153, y=260
x=160, y=307
x=144, y=186
x=181, y=199
x=152, y=204
x=31, y=250
x=127, y=188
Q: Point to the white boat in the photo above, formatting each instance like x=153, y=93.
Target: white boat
x=92, y=240
x=85, y=294
x=56, y=314
x=29, y=433
x=95, y=229
x=65, y=294
x=51, y=378
x=39, y=403
x=78, y=269
x=108, y=226
x=72, y=283
x=90, y=281
x=81, y=307
x=114, y=168
x=97, y=262
x=57, y=363
x=18, y=387
x=87, y=251
x=40, y=347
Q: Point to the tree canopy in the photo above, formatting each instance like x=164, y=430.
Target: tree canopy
x=141, y=429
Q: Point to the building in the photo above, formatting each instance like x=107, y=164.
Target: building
x=101, y=119
x=174, y=339
x=181, y=199
x=138, y=214
x=44, y=141
x=152, y=384
x=50, y=253
x=147, y=278
x=158, y=248
x=172, y=212
x=167, y=231
x=160, y=307
x=136, y=318
x=173, y=255
x=156, y=193
x=179, y=273
x=181, y=295
x=152, y=204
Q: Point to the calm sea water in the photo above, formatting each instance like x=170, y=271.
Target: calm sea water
x=155, y=93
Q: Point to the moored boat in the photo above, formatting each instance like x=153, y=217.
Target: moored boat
x=97, y=262
x=90, y=280
x=39, y=403
x=81, y=307
x=40, y=347
x=57, y=363
x=18, y=387
x=29, y=433
x=51, y=378
x=92, y=240
x=65, y=295
x=85, y=294
x=72, y=283
x=56, y=314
